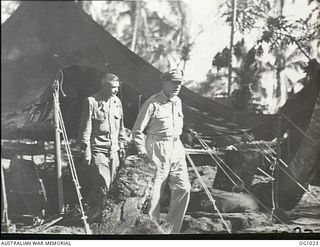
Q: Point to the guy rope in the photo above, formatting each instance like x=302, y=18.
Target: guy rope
x=71, y=163
x=207, y=192
x=206, y=146
x=281, y=168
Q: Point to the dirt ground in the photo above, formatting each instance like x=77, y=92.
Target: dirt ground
x=305, y=217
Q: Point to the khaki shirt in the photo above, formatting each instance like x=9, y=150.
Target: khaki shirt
x=101, y=125
x=159, y=116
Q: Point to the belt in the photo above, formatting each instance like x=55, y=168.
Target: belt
x=101, y=144
x=165, y=138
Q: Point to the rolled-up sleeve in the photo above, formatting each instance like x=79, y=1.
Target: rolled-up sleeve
x=85, y=129
x=140, y=125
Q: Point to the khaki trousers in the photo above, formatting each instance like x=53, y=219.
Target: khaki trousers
x=169, y=157
x=102, y=173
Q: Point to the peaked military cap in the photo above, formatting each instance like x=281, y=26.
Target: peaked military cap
x=172, y=75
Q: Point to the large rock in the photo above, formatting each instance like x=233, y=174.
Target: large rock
x=129, y=194
x=208, y=174
x=126, y=217
x=134, y=179
x=209, y=223
x=203, y=225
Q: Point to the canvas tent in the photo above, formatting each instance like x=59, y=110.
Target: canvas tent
x=44, y=37
x=41, y=38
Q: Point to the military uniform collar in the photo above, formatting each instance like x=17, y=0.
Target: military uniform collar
x=165, y=99
x=101, y=97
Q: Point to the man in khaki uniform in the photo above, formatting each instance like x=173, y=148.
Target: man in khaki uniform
x=102, y=137
x=161, y=118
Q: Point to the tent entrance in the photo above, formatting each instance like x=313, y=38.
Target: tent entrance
x=77, y=83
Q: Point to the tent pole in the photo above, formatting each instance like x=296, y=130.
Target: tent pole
x=4, y=218
x=58, y=146
x=140, y=101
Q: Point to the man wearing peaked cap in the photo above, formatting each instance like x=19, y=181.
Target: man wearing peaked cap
x=102, y=137
x=172, y=75
x=161, y=118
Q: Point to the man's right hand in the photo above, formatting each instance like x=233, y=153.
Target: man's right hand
x=87, y=161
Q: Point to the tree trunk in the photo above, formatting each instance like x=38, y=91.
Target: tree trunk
x=136, y=17
x=302, y=167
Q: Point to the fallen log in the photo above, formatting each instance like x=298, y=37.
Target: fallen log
x=227, y=202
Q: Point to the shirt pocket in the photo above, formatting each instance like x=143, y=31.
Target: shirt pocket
x=164, y=119
x=179, y=121
x=117, y=118
x=100, y=122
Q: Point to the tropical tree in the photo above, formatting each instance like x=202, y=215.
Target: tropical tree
x=246, y=80
x=281, y=34
x=164, y=41
x=278, y=32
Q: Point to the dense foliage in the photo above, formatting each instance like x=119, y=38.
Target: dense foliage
x=278, y=33
x=161, y=35
x=162, y=40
